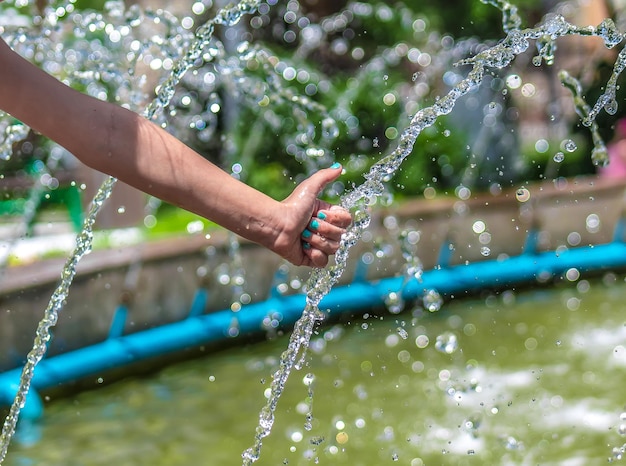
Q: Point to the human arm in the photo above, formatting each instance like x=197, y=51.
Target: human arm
x=127, y=146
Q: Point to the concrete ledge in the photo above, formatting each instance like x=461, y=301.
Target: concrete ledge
x=159, y=282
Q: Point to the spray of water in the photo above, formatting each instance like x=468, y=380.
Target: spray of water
x=227, y=16
x=56, y=303
x=499, y=56
x=322, y=280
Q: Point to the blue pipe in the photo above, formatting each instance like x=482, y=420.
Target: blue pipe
x=121, y=350
x=198, y=305
x=119, y=321
x=33, y=406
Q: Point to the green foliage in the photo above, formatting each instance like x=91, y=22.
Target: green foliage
x=438, y=160
x=360, y=71
x=272, y=179
x=546, y=164
x=174, y=221
x=359, y=66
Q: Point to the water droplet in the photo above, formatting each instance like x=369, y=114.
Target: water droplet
x=609, y=33
x=511, y=443
x=394, y=303
x=479, y=226
x=559, y=157
x=569, y=145
x=592, y=223
x=422, y=341
x=308, y=379
x=611, y=107
x=447, y=343
x=463, y=192
x=522, y=195
x=600, y=156
x=330, y=129
x=432, y=300
x=403, y=333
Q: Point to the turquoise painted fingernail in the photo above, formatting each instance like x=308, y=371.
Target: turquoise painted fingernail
x=315, y=224
x=306, y=234
x=321, y=215
x=336, y=165
x=306, y=245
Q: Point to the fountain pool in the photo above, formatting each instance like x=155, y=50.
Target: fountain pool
x=458, y=378
x=522, y=378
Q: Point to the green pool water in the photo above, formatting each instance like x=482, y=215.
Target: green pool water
x=518, y=378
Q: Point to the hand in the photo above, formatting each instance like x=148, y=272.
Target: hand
x=311, y=228
x=109, y=138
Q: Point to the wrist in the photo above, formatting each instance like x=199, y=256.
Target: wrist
x=257, y=218
x=278, y=234
x=282, y=231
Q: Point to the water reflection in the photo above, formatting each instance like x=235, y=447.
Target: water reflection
x=515, y=378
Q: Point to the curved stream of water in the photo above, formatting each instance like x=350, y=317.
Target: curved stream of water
x=227, y=17
x=498, y=56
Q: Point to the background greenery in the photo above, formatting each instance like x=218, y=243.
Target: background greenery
x=358, y=90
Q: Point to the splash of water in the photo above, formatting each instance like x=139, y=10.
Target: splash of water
x=599, y=154
x=321, y=281
x=56, y=303
x=617, y=453
x=511, y=19
x=227, y=17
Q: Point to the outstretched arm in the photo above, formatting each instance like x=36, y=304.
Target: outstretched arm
x=127, y=146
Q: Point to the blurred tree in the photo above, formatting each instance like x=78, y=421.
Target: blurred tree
x=303, y=83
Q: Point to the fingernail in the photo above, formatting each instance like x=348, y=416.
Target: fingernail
x=321, y=215
x=306, y=234
x=315, y=224
x=336, y=165
x=306, y=245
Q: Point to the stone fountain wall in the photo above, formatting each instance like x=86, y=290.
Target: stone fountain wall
x=158, y=280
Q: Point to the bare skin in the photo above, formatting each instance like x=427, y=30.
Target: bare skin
x=118, y=142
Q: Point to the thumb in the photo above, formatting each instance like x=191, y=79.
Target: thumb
x=313, y=185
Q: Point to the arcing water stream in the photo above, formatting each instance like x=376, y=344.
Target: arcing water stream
x=321, y=281
x=499, y=56
x=227, y=16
